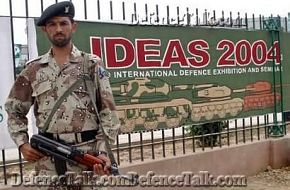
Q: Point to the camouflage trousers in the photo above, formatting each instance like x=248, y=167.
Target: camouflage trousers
x=76, y=177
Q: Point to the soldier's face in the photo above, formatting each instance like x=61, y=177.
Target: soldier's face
x=59, y=30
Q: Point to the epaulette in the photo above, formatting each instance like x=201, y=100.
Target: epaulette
x=32, y=60
x=94, y=58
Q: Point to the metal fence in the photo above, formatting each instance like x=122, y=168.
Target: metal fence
x=157, y=144
x=153, y=144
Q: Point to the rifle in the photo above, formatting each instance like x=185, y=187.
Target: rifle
x=68, y=153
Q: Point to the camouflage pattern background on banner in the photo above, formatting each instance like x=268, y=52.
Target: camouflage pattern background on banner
x=172, y=75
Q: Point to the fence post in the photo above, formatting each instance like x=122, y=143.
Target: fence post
x=273, y=25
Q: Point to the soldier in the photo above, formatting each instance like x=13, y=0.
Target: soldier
x=45, y=80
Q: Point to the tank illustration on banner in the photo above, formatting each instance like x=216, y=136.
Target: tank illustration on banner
x=149, y=102
x=217, y=101
x=260, y=96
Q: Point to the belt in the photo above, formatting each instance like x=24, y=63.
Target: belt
x=79, y=137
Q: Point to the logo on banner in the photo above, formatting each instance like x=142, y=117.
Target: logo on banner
x=1, y=114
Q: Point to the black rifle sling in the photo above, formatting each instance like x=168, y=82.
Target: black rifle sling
x=92, y=93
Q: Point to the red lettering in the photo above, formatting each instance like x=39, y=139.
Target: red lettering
x=225, y=59
x=243, y=52
x=274, y=53
x=262, y=47
x=96, y=47
x=144, y=54
x=174, y=54
x=197, y=48
x=119, y=53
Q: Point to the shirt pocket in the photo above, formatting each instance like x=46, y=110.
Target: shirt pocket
x=42, y=93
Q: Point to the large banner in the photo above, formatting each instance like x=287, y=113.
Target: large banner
x=6, y=79
x=174, y=75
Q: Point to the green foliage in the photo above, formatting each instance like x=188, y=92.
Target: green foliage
x=204, y=130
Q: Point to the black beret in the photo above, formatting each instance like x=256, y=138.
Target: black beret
x=65, y=8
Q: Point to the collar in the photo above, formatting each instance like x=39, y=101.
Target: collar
x=75, y=56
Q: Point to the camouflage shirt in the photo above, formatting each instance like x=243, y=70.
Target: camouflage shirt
x=42, y=82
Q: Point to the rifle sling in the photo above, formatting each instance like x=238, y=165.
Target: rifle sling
x=94, y=95
x=89, y=84
x=59, y=163
x=108, y=147
x=59, y=102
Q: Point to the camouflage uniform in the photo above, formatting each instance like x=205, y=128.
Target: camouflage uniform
x=41, y=83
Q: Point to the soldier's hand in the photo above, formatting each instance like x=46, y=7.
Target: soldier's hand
x=29, y=153
x=105, y=167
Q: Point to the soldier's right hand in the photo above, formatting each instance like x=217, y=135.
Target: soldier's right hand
x=29, y=153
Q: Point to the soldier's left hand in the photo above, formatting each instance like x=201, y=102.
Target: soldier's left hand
x=105, y=167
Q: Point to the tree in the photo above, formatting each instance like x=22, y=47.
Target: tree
x=204, y=130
